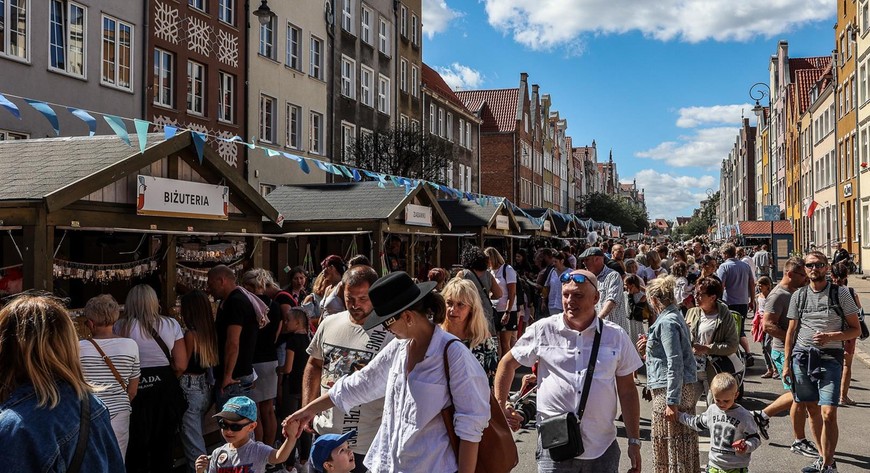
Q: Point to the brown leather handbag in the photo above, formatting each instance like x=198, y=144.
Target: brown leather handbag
x=497, y=452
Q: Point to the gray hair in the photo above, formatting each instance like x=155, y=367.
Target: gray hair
x=102, y=310
x=662, y=290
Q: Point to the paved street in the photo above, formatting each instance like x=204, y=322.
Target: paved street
x=774, y=456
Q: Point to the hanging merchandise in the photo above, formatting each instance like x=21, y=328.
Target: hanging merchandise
x=103, y=273
x=213, y=253
x=194, y=278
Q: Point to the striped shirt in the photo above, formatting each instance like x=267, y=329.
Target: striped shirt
x=124, y=354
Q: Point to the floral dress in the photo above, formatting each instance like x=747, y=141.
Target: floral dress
x=487, y=355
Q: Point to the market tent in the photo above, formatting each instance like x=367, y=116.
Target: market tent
x=481, y=222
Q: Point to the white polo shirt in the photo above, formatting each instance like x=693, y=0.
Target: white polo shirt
x=563, y=356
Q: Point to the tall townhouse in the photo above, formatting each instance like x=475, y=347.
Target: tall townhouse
x=822, y=111
x=509, y=165
x=763, y=177
x=408, y=76
x=571, y=168
x=549, y=150
x=845, y=67
x=863, y=53
x=196, y=57
x=449, y=119
x=562, y=158
x=362, y=51
x=86, y=54
x=287, y=93
x=607, y=177
x=538, y=131
x=586, y=167
x=737, y=179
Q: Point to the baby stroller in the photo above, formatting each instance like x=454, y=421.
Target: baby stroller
x=733, y=364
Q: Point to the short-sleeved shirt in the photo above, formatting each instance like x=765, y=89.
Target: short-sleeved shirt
x=554, y=297
x=124, y=354
x=563, y=355
x=777, y=303
x=264, y=350
x=735, y=276
x=505, y=275
x=298, y=344
x=611, y=288
x=236, y=310
x=818, y=316
x=150, y=353
x=251, y=457
x=345, y=347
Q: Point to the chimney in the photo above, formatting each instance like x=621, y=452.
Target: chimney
x=535, y=89
x=524, y=77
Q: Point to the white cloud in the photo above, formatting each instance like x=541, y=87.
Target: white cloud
x=437, y=16
x=669, y=196
x=704, y=148
x=460, y=77
x=691, y=117
x=544, y=24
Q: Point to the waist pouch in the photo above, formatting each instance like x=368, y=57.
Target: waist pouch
x=560, y=435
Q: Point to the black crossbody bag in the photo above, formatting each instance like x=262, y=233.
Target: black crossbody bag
x=560, y=435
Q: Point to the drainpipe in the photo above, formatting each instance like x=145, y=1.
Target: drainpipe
x=145, y=55
x=837, y=227
x=247, y=98
x=858, y=172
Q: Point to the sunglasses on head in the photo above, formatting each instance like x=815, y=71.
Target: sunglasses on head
x=233, y=427
x=578, y=278
x=815, y=265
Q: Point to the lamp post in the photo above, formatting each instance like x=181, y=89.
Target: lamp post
x=757, y=93
x=263, y=13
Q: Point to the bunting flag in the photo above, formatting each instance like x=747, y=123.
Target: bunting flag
x=141, y=133
x=272, y=153
x=169, y=132
x=812, y=209
x=85, y=117
x=118, y=126
x=47, y=112
x=321, y=165
x=13, y=109
x=356, y=176
x=303, y=165
x=199, y=143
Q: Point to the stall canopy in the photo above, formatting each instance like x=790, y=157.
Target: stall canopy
x=549, y=226
x=481, y=222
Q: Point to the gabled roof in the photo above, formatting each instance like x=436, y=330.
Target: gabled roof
x=467, y=214
x=433, y=81
x=758, y=227
x=805, y=79
x=500, y=113
x=797, y=63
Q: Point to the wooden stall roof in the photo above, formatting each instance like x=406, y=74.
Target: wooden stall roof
x=349, y=201
x=467, y=214
x=60, y=171
x=539, y=213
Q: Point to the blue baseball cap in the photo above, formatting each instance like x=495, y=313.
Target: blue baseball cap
x=238, y=408
x=322, y=448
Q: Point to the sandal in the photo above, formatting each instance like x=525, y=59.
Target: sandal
x=767, y=375
x=847, y=401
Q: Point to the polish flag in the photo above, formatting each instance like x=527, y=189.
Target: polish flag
x=812, y=208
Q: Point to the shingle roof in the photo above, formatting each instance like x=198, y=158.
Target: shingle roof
x=432, y=80
x=338, y=201
x=797, y=63
x=464, y=213
x=758, y=227
x=805, y=79
x=32, y=169
x=500, y=113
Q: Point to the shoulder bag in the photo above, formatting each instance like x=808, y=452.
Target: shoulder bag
x=560, y=434
x=484, y=296
x=497, y=452
x=177, y=401
x=75, y=465
x=109, y=363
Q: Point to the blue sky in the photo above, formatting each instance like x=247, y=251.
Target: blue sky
x=661, y=82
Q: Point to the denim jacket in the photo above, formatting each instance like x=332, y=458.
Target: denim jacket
x=669, y=360
x=42, y=440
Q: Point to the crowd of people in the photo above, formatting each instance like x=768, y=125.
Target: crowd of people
x=354, y=372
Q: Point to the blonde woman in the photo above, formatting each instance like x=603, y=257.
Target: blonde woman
x=43, y=392
x=101, y=313
x=505, y=317
x=152, y=422
x=465, y=321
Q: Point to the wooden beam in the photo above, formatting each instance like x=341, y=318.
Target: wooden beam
x=169, y=275
x=124, y=216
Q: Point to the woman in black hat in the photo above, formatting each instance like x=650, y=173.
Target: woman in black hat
x=410, y=373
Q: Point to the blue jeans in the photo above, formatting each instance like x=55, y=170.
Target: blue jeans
x=606, y=463
x=197, y=391
x=242, y=388
x=826, y=391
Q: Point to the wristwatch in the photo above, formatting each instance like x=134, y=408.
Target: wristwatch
x=632, y=441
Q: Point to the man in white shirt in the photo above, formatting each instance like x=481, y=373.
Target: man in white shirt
x=562, y=343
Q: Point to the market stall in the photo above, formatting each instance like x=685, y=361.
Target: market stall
x=486, y=225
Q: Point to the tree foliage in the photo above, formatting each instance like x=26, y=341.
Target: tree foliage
x=701, y=221
x=402, y=152
x=614, y=209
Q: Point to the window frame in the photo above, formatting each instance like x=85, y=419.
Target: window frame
x=384, y=96
x=415, y=80
x=347, y=16
x=367, y=87
x=415, y=24
x=346, y=157
x=315, y=70
x=403, y=21
x=119, y=24
x=384, y=45
x=290, y=130
x=267, y=119
x=24, y=7
x=199, y=5
x=158, y=65
x=225, y=78
x=192, y=66
x=270, y=27
x=403, y=75
x=292, y=51
x=366, y=28
x=227, y=12
x=66, y=45
x=315, y=133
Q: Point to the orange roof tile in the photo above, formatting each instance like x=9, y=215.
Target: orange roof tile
x=432, y=80
x=500, y=113
x=797, y=63
x=758, y=227
x=804, y=81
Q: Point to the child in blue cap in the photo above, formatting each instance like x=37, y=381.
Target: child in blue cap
x=237, y=422
x=330, y=453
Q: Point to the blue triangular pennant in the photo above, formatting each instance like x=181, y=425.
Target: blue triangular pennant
x=356, y=176
x=118, y=126
x=290, y=156
x=199, y=143
x=47, y=112
x=303, y=165
x=141, y=133
x=321, y=165
x=271, y=153
x=85, y=117
x=13, y=109
x=169, y=132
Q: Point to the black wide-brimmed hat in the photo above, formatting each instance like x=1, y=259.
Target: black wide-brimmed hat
x=392, y=294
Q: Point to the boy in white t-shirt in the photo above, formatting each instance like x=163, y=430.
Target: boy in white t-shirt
x=237, y=422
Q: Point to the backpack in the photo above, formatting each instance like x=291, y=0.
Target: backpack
x=833, y=303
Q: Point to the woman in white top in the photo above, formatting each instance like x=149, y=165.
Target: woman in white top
x=153, y=422
x=101, y=313
x=506, y=306
x=409, y=371
x=333, y=298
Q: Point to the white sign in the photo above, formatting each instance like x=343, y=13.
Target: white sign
x=547, y=226
x=174, y=198
x=502, y=222
x=418, y=215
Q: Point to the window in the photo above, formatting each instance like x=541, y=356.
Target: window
x=450, y=174
x=316, y=127
x=449, y=126
x=347, y=22
x=267, y=119
x=198, y=4
x=195, y=87
x=432, y=118
x=468, y=178
x=403, y=74
x=266, y=189
x=226, y=12
x=468, y=143
x=383, y=94
x=14, y=22
x=461, y=177
x=66, y=48
x=267, y=39
x=441, y=122
x=366, y=25
x=404, y=22
x=403, y=122
x=865, y=19
x=294, y=47
x=366, y=80
x=117, y=53
x=414, y=27
x=348, y=134
x=461, y=132
x=415, y=81
x=11, y=135
x=164, y=79
x=384, y=37
x=316, y=57
x=348, y=84
x=294, y=126
x=226, y=97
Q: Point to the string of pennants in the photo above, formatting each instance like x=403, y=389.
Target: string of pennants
x=119, y=127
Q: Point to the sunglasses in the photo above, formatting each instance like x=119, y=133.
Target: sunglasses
x=391, y=320
x=815, y=265
x=578, y=278
x=233, y=427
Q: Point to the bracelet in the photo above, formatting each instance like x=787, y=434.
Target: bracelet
x=634, y=441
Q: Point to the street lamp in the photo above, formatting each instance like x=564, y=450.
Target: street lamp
x=757, y=93
x=264, y=13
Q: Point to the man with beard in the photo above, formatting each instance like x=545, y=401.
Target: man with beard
x=340, y=347
x=821, y=316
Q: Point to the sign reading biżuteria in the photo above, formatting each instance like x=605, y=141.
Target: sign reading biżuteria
x=173, y=198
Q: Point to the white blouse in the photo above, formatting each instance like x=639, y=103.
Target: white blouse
x=412, y=436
